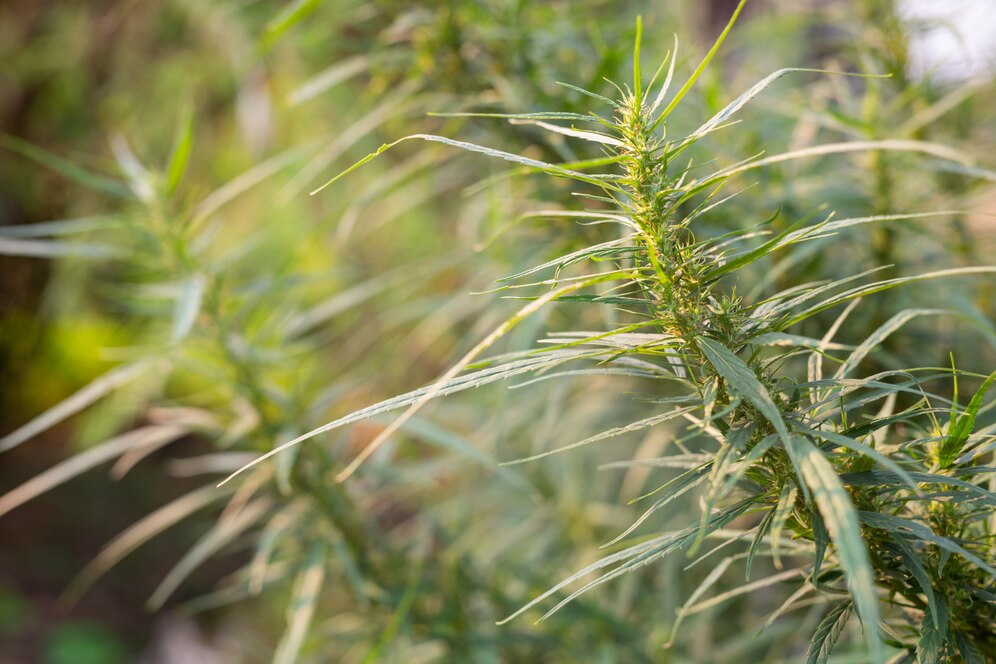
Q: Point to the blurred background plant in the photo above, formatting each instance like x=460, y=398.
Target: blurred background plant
x=193, y=307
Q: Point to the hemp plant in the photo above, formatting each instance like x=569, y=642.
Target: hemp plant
x=873, y=486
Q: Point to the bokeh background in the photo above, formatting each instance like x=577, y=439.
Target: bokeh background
x=176, y=143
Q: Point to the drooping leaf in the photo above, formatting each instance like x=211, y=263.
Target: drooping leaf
x=221, y=534
x=931, y=646
x=968, y=650
x=645, y=423
x=911, y=561
x=66, y=470
x=743, y=381
x=908, y=528
x=541, y=166
x=827, y=633
x=138, y=534
x=99, y=388
x=844, y=525
x=784, y=508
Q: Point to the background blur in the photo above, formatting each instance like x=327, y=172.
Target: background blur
x=179, y=140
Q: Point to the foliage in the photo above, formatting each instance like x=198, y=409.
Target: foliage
x=820, y=454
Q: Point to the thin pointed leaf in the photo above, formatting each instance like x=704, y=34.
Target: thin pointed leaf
x=909, y=528
x=96, y=390
x=220, y=535
x=911, y=561
x=552, y=169
x=882, y=333
x=65, y=167
x=94, y=456
x=139, y=533
x=827, y=633
x=182, y=146
x=958, y=435
x=784, y=508
x=645, y=423
x=702, y=65
x=55, y=249
x=756, y=89
x=968, y=650
x=930, y=648
x=743, y=381
x=301, y=607
x=844, y=525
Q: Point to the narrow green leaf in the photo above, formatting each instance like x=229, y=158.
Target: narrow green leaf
x=188, y=305
x=911, y=561
x=55, y=249
x=821, y=540
x=848, y=442
x=743, y=381
x=827, y=633
x=893, y=145
x=877, y=287
x=759, y=87
x=884, y=477
x=666, y=85
x=590, y=136
x=544, y=115
x=909, y=528
x=746, y=258
x=93, y=456
x=288, y=18
x=786, y=504
x=660, y=548
x=139, y=179
x=930, y=648
x=635, y=556
x=701, y=68
x=139, y=533
x=968, y=650
x=589, y=93
x=608, y=248
x=882, y=333
x=65, y=167
x=844, y=525
x=645, y=423
x=637, y=74
x=301, y=607
x=61, y=227
x=329, y=78
x=220, y=535
x=762, y=530
x=708, y=582
x=182, y=146
x=672, y=490
x=99, y=388
x=744, y=589
x=952, y=446
x=552, y=169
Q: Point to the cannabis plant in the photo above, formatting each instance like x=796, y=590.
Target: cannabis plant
x=868, y=492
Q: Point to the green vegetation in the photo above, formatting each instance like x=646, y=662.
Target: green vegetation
x=799, y=335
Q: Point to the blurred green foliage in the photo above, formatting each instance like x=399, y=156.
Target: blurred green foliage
x=82, y=643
